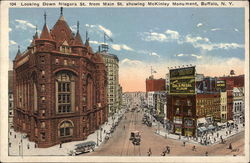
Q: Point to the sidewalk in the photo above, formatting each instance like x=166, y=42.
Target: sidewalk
x=211, y=138
x=21, y=148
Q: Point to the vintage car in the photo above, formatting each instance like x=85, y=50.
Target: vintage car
x=83, y=148
x=135, y=137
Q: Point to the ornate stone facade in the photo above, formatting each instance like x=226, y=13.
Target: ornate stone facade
x=59, y=87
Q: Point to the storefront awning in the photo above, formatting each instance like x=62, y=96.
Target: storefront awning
x=211, y=127
x=202, y=129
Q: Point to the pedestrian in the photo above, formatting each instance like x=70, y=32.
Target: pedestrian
x=28, y=146
x=124, y=127
x=214, y=140
x=206, y=153
x=193, y=148
x=15, y=136
x=230, y=146
x=60, y=145
x=184, y=143
x=149, y=152
x=9, y=144
x=168, y=149
x=217, y=134
x=35, y=145
x=163, y=153
x=10, y=132
x=226, y=133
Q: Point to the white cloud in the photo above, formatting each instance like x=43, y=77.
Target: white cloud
x=107, y=31
x=154, y=54
x=168, y=35
x=130, y=62
x=236, y=30
x=23, y=24
x=172, y=34
x=216, y=29
x=10, y=29
x=73, y=28
x=99, y=29
x=153, y=36
x=199, y=25
x=196, y=56
x=191, y=39
x=96, y=42
x=12, y=42
x=205, y=44
x=189, y=55
x=119, y=47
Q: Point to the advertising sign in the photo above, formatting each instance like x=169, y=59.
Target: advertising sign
x=182, y=81
x=221, y=85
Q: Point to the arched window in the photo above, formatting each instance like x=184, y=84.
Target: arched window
x=65, y=92
x=66, y=129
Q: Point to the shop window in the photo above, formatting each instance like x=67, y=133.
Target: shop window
x=66, y=129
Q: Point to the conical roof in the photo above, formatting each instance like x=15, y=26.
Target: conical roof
x=78, y=40
x=45, y=33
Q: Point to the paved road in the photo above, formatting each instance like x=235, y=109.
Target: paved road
x=120, y=145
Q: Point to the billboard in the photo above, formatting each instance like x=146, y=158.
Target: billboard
x=182, y=81
x=221, y=85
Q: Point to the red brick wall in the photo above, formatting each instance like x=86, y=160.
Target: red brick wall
x=155, y=85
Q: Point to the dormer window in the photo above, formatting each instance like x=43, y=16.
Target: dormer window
x=65, y=47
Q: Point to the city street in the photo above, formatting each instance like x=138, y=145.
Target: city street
x=120, y=145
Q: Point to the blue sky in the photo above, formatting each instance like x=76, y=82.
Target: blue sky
x=211, y=38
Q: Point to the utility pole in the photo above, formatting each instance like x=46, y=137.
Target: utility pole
x=97, y=141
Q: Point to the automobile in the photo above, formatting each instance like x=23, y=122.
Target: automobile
x=83, y=148
x=135, y=137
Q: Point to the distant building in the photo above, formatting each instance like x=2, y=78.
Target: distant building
x=223, y=106
x=155, y=84
x=112, y=67
x=238, y=105
x=11, y=98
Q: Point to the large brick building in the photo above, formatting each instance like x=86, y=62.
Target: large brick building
x=59, y=87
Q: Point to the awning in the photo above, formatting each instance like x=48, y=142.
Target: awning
x=202, y=129
x=230, y=121
x=211, y=127
x=201, y=120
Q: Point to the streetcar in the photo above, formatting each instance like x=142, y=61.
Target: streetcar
x=135, y=137
x=83, y=148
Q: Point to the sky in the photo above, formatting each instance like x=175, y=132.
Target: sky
x=210, y=38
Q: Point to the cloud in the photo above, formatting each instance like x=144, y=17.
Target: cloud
x=216, y=29
x=73, y=28
x=99, y=29
x=10, y=29
x=191, y=39
x=130, y=62
x=205, y=44
x=153, y=36
x=96, y=42
x=189, y=55
x=23, y=24
x=168, y=35
x=236, y=30
x=196, y=56
x=199, y=25
x=12, y=42
x=154, y=54
x=172, y=34
x=119, y=47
